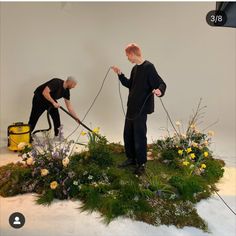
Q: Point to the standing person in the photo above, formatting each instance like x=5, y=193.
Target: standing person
x=46, y=96
x=144, y=82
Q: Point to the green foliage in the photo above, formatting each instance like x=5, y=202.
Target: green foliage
x=169, y=154
x=46, y=198
x=116, y=148
x=100, y=152
x=12, y=179
x=168, y=143
x=111, y=208
x=189, y=186
x=90, y=197
x=170, y=157
x=214, y=170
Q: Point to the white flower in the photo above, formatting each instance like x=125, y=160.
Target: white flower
x=197, y=131
x=136, y=198
x=177, y=123
x=206, y=143
x=30, y=161
x=194, y=144
x=22, y=145
x=24, y=156
x=65, y=161
x=75, y=182
x=211, y=133
x=90, y=177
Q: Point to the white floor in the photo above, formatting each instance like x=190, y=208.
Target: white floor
x=63, y=218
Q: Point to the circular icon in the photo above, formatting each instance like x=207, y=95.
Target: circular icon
x=216, y=18
x=16, y=220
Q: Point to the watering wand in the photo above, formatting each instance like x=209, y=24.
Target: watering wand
x=80, y=122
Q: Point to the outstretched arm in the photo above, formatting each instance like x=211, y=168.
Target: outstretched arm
x=125, y=82
x=71, y=110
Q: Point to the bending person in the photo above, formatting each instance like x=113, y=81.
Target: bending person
x=46, y=96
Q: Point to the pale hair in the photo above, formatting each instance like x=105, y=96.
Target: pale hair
x=72, y=78
x=133, y=48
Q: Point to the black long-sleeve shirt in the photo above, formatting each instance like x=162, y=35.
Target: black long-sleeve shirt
x=143, y=79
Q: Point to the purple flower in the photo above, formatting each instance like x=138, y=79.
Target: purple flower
x=33, y=153
x=55, y=154
x=159, y=193
x=60, y=133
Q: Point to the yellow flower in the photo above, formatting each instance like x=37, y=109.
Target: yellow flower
x=83, y=133
x=44, y=172
x=205, y=154
x=189, y=150
x=185, y=163
x=192, y=126
x=65, y=161
x=180, y=152
x=177, y=123
x=203, y=166
x=30, y=161
x=96, y=130
x=53, y=185
x=192, y=155
x=211, y=133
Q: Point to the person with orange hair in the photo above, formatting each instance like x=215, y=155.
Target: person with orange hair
x=143, y=83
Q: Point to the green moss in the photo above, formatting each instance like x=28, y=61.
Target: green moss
x=12, y=178
x=189, y=186
x=166, y=194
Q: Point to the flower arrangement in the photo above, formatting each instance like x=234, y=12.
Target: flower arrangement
x=188, y=150
x=182, y=173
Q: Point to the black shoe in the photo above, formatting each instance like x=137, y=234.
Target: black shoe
x=139, y=170
x=126, y=163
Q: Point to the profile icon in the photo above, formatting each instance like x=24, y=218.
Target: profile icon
x=16, y=220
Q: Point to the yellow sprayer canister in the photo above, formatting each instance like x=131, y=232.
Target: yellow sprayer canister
x=18, y=133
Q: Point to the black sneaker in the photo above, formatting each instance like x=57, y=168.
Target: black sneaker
x=139, y=170
x=126, y=163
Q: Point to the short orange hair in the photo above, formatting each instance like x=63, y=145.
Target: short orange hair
x=133, y=48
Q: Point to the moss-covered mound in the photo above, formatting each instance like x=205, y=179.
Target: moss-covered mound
x=180, y=175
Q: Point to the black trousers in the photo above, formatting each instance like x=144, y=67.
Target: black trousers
x=135, y=139
x=39, y=105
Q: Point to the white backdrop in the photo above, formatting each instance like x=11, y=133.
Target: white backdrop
x=40, y=41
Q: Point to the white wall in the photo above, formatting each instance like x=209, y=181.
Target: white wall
x=44, y=40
